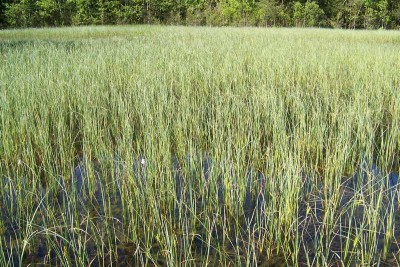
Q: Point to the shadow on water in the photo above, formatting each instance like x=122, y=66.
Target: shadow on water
x=89, y=196
x=368, y=191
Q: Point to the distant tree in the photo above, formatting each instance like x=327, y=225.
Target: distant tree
x=132, y=11
x=109, y=11
x=349, y=14
x=303, y=13
x=195, y=16
x=298, y=14
x=48, y=12
x=247, y=12
x=85, y=12
x=230, y=11
x=376, y=14
x=383, y=13
x=271, y=13
x=21, y=13
x=369, y=18
x=395, y=17
x=198, y=11
x=158, y=11
x=330, y=7
x=309, y=14
x=3, y=20
x=314, y=15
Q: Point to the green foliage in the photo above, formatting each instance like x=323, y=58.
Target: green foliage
x=23, y=13
x=308, y=15
x=230, y=11
x=85, y=12
x=383, y=13
x=313, y=14
x=395, y=17
x=370, y=14
x=270, y=13
x=47, y=11
x=298, y=14
x=2, y=17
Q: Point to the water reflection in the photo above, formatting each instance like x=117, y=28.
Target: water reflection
x=95, y=195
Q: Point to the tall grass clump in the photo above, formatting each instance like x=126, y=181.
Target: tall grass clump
x=175, y=146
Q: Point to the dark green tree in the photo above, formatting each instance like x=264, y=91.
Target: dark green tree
x=22, y=13
x=271, y=13
x=303, y=13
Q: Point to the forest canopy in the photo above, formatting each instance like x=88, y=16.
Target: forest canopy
x=349, y=14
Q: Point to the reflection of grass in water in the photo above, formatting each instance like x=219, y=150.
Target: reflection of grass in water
x=302, y=107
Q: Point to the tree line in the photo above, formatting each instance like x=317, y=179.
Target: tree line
x=351, y=14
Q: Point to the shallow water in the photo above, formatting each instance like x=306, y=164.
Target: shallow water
x=90, y=197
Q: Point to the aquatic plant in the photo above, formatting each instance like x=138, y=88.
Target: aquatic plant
x=199, y=146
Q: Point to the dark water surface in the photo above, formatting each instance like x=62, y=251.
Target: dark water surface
x=89, y=198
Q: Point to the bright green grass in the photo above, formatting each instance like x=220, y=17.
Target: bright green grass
x=303, y=106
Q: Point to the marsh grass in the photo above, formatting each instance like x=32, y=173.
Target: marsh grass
x=174, y=146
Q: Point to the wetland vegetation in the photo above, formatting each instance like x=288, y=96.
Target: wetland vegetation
x=186, y=146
